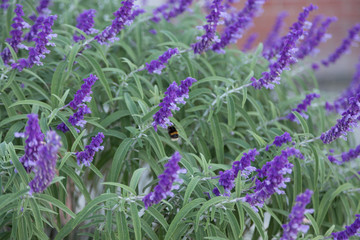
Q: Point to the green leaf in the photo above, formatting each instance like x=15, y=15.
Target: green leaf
x=136, y=220
x=302, y=122
x=118, y=159
x=57, y=83
x=127, y=188
x=205, y=207
x=255, y=218
x=31, y=102
x=218, y=139
x=56, y=203
x=190, y=188
x=231, y=111
x=136, y=177
x=158, y=216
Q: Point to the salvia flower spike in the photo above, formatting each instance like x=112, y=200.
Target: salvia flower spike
x=346, y=156
x=302, y=107
x=86, y=157
x=286, y=55
x=296, y=217
x=167, y=181
x=155, y=66
x=280, y=140
x=83, y=94
x=45, y=166
x=352, y=230
x=85, y=22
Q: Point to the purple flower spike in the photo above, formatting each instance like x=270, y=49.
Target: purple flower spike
x=155, y=66
x=16, y=34
x=351, y=230
x=42, y=8
x=136, y=12
x=302, y=107
x=288, y=46
x=122, y=18
x=166, y=182
x=345, y=45
x=35, y=28
x=236, y=26
x=83, y=94
x=77, y=119
x=280, y=140
x=249, y=42
x=296, y=217
x=86, y=157
x=346, y=156
x=349, y=119
x=85, y=22
x=34, y=137
x=45, y=166
x=4, y=4
x=159, y=11
x=175, y=8
x=273, y=172
x=174, y=94
x=209, y=37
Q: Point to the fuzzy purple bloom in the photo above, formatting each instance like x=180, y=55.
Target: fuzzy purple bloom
x=83, y=94
x=345, y=45
x=346, y=156
x=42, y=8
x=77, y=119
x=174, y=94
x=296, y=217
x=273, y=172
x=45, y=166
x=159, y=11
x=353, y=229
x=166, y=182
x=155, y=66
x=249, y=42
x=41, y=41
x=35, y=28
x=86, y=157
x=302, y=107
x=136, y=12
x=122, y=18
x=273, y=38
x=175, y=7
x=280, y=140
x=16, y=34
x=210, y=28
x=4, y=4
x=34, y=137
x=288, y=46
x=236, y=26
x=349, y=119
x=85, y=22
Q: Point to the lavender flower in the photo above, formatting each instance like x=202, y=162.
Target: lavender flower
x=228, y=177
x=280, y=140
x=273, y=172
x=34, y=137
x=35, y=28
x=273, y=37
x=174, y=94
x=302, y=107
x=210, y=29
x=83, y=94
x=296, y=217
x=85, y=22
x=351, y=230
x=346, y=156
x=45, y=166
x=345, y=45
x=166, y=182
x=16, y=35
x=249, y=42
x=136, y=12
x=348, y=120
x=4, y=4
x=175, y=8
x=39, y=51
x=159, y=11
x=236, y=27
x=155, y=66
x=42, y=8
x=122, y=18
x=313, y=39
x=286, y=54
x=86, y=157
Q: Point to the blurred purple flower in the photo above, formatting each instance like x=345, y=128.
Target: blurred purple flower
x=352, y=230
x=288, y=46
x=86, y=157
x=136, y=12
x=346, y=156
x=302, y=107
x=153, y=31
x=83, y=94
x=174, y=94
x=296, y=217
x=249, y=42
x=176, y=7
x=122, y=18
x=159, y=11
x=45, y=165
x=4, y=4
x=155, y=66
x=35, y=28
x=42, y=8
x=85, y=22
x=166, y=182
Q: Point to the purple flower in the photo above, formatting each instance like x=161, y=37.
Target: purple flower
x=351, y=230
x=77, y=119
x=86, y=157
x=83, y=94
x=286, y=54
x=16, y=34
x=273, y=38
x=42, y=8
x=159, y=11
x=249, y=42
x=85, y=22
x=280, y=140
x=45, y=166
x=345, y=45
x=174, y=94
x=227, y=178
x=236, y=26
x=35, y=28
x=41, y=41
x=210, y=28
x=155, y=66
x=136, y=12
x=34, y=137
x=153, y=31
x=302, y=107
x=296, y=217
x=346, y=156
x=349, y=119
x=122, y=18
x=273, y=173
x=166, y=182
x=4, y=4
x=313, y=39
x=176, y=7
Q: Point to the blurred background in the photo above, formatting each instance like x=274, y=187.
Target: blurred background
x=332, y=79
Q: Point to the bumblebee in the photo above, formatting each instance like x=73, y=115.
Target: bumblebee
x=173, y=133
